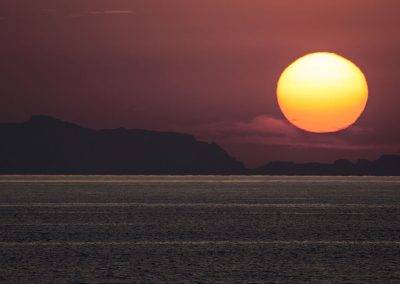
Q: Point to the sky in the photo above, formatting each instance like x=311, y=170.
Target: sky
x=206, y=67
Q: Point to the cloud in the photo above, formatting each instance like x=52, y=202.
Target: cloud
x=95, y=12
x=267, y=138
x=75, y=15
x=103, y=13
x=119, y=12
x=259, y=126
x=48, y=11
x=265, y=125
x=271, y=131
x=112, y=12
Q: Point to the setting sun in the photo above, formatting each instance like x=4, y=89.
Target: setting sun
x=322, y=92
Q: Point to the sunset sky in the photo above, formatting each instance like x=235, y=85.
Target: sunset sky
x=205, y=67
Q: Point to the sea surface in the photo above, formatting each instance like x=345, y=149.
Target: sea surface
x=224, y=229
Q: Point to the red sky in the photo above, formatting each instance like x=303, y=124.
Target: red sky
x=205, y=67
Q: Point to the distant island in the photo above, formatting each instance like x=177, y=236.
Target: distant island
x=46, y=145
x=386, y=165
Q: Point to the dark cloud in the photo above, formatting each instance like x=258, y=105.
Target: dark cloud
x=274, y=133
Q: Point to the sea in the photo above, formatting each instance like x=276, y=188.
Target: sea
x=199, y=229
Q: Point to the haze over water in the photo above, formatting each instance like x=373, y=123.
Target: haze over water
x=199, y=228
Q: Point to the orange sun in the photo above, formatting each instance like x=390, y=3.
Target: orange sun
x=322, y=92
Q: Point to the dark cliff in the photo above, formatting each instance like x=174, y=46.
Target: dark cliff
x=48, y=145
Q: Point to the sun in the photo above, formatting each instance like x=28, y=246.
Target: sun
x=322, y=92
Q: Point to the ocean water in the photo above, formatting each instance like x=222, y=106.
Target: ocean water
x=124, y=229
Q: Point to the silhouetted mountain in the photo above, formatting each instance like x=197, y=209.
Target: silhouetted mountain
x=48, y=145
x=386, y=165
